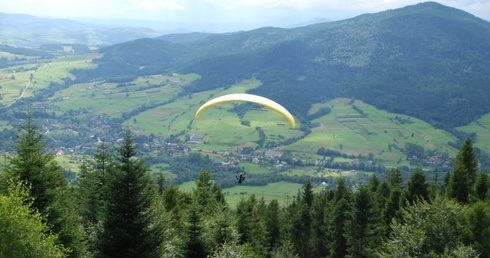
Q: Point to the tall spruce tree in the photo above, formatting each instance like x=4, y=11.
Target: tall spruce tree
x=244, y=210
x=463, y=175
x=301, y=222
x=34, y=166
x=482, y=186
x=359, y=226
x=417, y=187
x=130, y=228
x=395, y=199
x=37, y=168
x=338, y=219
x=91, y=194
x=301, y=230
x=320, y=210
x=273, y=225
x=194, y=243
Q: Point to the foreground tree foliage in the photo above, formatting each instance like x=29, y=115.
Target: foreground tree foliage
x=23, y=233
x=426, y=230
x=125, y=212
x=51, y=196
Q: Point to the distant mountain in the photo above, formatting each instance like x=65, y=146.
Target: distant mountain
x=184, y=38
x=310, y=22
x=29, y=31
x=426, y=60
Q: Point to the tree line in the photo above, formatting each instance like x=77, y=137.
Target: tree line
x=118, y=209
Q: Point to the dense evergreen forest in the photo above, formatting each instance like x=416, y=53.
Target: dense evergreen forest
x=117, y=209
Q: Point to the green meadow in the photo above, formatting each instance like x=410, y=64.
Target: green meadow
x=42, y=74
x=374, y=131
x=481, y=128
x=114, y=100
x=283, y=192
x=217, y=128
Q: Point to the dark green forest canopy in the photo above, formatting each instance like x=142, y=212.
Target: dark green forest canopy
x=427, y=60
x=117, y=210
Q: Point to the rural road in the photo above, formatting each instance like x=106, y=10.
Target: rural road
x=27, y=86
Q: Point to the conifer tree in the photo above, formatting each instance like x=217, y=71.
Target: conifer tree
x=463, y=175
x=320, y=210
x=482, y=186
x=395, y=199
x=91, y=195
x=392, y=207
x=395, y=179
x=244, y=224
x=360, y=226
x=301, y=230
x=34, y=166
x=208, y=196
x=308, y=193
x=272, y=222
x=417, y=187
x=301, y=222
x=340, y=214
x=259, y=231
x=194, y=246
x=130, y=228
x=373, y=183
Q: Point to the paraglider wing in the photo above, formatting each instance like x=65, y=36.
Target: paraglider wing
x=249, y=98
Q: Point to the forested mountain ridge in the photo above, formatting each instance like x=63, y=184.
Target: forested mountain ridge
x=427, y=60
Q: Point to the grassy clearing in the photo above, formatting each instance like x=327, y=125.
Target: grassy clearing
x=280, y=191
x=69, y=162
x=372, y=130
x=255, y=169
x=481, y=128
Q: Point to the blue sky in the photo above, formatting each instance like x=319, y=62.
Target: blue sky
x=221, y=15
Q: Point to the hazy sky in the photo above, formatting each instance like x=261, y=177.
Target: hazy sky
x=221, y=15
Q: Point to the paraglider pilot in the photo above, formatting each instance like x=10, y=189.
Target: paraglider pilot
x=240, y=177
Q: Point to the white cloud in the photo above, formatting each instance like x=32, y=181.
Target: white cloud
x=248, y=13
x=155, y=5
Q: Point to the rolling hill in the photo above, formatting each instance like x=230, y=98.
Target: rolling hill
x=395, y=88
x=428, y=60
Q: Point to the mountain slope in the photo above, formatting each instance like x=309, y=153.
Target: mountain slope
x=427, y=60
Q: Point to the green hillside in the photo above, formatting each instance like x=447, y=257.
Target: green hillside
x=481, y=129
x=369, y=93
x=363, y=130
x=418, y=60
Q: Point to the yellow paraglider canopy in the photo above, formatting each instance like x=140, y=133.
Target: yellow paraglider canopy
x=249, y=98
